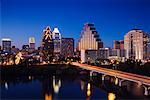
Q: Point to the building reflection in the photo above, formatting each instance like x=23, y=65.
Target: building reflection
x=82, y=85
x=48, y=96
x=56, y=84
x=50, y=87
x=88, y=89
x=47, y=88
x=6, y=86
x=111, y=96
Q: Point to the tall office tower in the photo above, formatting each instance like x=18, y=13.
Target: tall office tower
x=67, y=47
x=32, y=43
x=6, y=45
x=119, y=44
x=47, y=45
x=25, y=47
x=57, y=41
x=118, y=49
x=136, y=44
x=89, y=38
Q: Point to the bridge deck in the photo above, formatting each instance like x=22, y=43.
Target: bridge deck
x=124, y=75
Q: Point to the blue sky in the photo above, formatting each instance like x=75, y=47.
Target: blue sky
x=21, y=19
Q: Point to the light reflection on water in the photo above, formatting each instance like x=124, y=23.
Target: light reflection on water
x=63, y=87
x=56, y=84
x=6, y=86
x=50, y=87
x=111, y=96
x=48, y=96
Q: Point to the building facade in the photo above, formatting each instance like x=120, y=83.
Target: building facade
x=6, y=45
x=47, y=45
x=91, y=56
x=136, y=44
x=25, y=48
x=67, y=47
x=89, y=38
x=57, y=41
x=103, y=53
x=119, y=44
x=14, y=50
x=32, y=43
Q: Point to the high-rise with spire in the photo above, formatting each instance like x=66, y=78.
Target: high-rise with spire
x=47, y=45
x=57, y=41
x=89, y=38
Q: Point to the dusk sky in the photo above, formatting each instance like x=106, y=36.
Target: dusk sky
x=21, y=19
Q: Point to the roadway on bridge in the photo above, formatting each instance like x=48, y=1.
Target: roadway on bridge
x=119, y=74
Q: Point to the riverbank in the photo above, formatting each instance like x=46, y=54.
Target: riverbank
x=17, y=70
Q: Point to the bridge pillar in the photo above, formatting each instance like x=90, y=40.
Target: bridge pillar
x=91, y=73
x=116, y=80
x=120, y=82
x=103, y=77
x=146, y=90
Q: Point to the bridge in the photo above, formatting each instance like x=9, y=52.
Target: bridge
x=119, y=75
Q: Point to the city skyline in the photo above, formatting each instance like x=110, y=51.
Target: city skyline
x=112, y=19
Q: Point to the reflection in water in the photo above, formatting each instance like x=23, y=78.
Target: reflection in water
x=30, y=78
x=111, y=96
x=48, y=96
x=6, y=86
x=47, y=88
x=82, y=85
x=56, y=84
x=88, y=89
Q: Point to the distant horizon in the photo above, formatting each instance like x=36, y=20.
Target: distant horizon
x=21, y=19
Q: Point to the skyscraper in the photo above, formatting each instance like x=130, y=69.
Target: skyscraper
x=119, y=44
x=32, y=43
x=67, y=47
x=136, y=44
x=57, y=41
x=6, y=45
x=118, y=49
x=89, y=38
x=47, y=45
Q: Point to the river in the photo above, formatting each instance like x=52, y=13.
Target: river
x=67, y=84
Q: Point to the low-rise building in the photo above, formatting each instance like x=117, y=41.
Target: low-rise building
x=103, y=53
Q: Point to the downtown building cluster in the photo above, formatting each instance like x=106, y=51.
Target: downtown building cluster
x=135, y=46
x=90, y=48
x=53, y=47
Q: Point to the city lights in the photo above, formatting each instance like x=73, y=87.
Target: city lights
x=74, y=49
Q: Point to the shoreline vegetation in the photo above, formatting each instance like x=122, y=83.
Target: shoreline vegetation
x=15, y=70
x=22, y=69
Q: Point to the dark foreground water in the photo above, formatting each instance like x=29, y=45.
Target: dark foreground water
x=67, y=84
